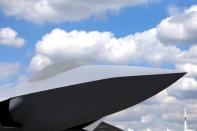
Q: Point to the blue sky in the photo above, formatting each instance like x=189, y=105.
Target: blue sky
x=164, y=24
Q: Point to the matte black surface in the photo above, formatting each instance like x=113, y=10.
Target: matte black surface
x=5, y=118
x=80, y=127
x=62, y=108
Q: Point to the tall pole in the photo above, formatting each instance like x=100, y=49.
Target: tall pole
x=185, y=120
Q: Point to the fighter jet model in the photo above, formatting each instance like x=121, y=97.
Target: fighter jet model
x=66, y=96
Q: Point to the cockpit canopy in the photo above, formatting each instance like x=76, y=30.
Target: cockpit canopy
x=55, y=69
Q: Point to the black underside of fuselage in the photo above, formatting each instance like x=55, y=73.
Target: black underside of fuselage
x=68, y=107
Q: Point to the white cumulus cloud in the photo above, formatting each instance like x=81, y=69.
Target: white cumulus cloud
x=185, y=84
x=39, y=62
x=190, y=68
x=102, y=47
x=180, y=27
x=40, y=11
x=9, y=37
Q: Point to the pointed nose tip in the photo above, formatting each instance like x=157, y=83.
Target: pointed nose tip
x=180, y=74
x=173, y=77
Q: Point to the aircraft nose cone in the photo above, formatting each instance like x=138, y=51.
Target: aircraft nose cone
x=81, y=103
